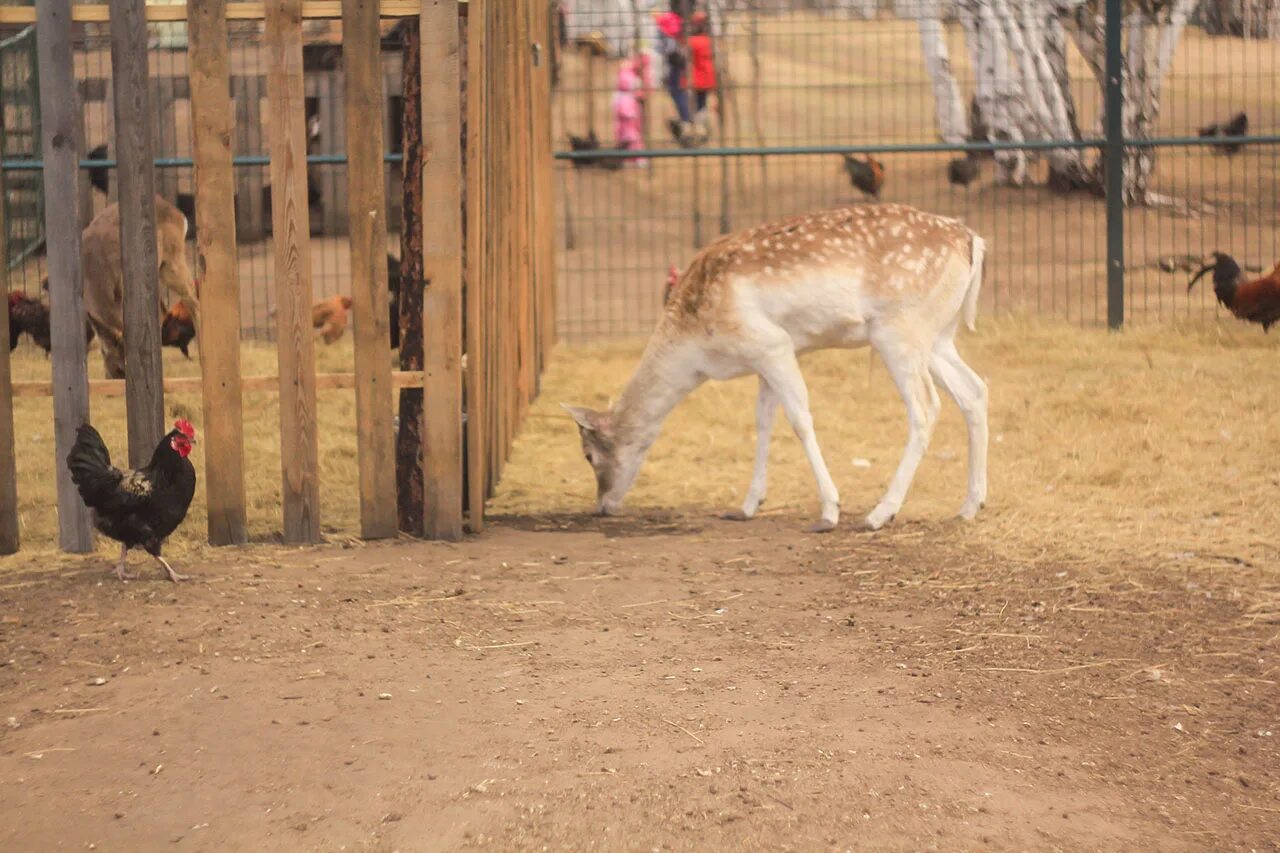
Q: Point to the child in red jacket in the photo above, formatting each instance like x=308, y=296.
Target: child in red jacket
x=702, y=58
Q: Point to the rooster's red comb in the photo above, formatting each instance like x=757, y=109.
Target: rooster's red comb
x=184, y=426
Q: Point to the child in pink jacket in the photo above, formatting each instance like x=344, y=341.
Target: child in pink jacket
x=628, y=113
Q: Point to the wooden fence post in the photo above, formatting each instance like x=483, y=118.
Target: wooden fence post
x=409, y=438
x=144, y=385
x=299, y=452
x=9, y=536
x=62, y=227
x=442, y=268
x=218, y=269
x=476, y=254
x=367, y=227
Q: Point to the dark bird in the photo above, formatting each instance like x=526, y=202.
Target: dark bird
x=30, y=316
x=1255, y=301
x=393, y=285
x=176, y=329
x=867, y=175
x=963, y=171
x=138, y=509
x=1237, y=126
x=99, y=176
x=186, y=203
x=591, y=142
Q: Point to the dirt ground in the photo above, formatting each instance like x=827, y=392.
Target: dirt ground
x=644, y=683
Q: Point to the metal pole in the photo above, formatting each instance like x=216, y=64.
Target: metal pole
x=1115, y=163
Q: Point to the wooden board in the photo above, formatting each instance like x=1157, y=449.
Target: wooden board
x=59, y=112
x=93, y=13
x=193, y=384
x=218, y=272
x=442, y=262
x=477, y=87
x=9, y=536
x=299, y=450
x=367, y=218
x=135, y=174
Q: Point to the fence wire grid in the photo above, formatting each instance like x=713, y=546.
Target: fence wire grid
x=800, y=83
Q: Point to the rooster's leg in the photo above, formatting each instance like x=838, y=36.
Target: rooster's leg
x=124, y=556
x=173, y=576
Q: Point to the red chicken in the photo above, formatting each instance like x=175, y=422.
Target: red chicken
x=138, y=509
x=176, y=329
x=1256, y=301
x=673, y=278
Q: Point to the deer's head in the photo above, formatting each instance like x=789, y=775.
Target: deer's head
x=615, y=462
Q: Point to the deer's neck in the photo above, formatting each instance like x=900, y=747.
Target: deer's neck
x=664, y=377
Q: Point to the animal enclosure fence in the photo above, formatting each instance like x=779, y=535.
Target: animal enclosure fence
x=484, y=265
x=916, y=85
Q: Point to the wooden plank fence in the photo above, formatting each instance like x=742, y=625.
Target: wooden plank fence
x=488, y=275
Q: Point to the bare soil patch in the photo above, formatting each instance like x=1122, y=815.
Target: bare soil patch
x=657, y=681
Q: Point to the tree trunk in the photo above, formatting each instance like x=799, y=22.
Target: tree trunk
x=1241, y=18
x=409, y=440
x=952, y=126
x=996, y=84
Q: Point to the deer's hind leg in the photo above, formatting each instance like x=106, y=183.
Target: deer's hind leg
x=908, y=365
x=966, y=387
x=766, y=410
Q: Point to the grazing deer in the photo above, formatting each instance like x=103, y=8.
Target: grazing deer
x=885, y=275
x=104, y=277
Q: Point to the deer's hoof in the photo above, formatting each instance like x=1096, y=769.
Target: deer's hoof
x=735, y=515
x=822, y=525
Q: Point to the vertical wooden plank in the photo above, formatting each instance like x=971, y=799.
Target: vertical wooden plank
x=135, y=173
x=442, y=267
x=62, y=225
x=367, y=223
x=218, y=271
x=476, y=277
x=409, y=438
x=299, y=452
x=9, y=536
x=545, y=186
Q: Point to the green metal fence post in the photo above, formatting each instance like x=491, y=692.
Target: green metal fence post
x=1115, y=162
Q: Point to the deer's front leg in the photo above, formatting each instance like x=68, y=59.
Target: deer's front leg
x=782, y=372
x=766, y=410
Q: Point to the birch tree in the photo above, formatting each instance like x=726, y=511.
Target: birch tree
x=1018, y=52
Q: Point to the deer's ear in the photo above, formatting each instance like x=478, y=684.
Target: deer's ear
x=583, y=417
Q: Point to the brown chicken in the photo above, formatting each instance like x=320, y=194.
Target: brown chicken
x=1256, y=301
x=867, y=175
x=329, y=317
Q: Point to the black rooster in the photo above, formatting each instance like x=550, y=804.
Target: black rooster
x=1237, y=126
x=963, y=171
x=591, y=142
x=136, y=508
x=99, y=176
x=30, y=316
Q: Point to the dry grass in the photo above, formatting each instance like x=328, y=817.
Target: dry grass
x=339, y=500
x=1157, y=444
x=1151, y=443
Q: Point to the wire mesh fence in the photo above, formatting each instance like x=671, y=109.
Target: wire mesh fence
x=171, y=134
x=937, y=93
x=925, y=90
